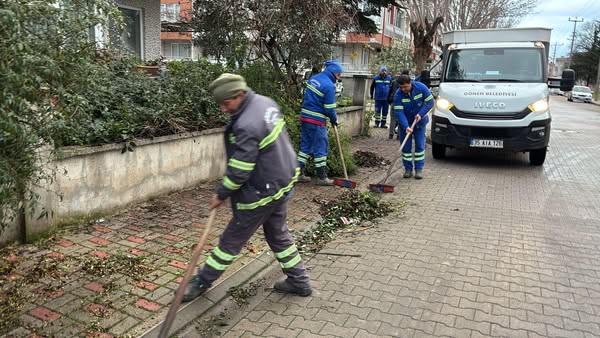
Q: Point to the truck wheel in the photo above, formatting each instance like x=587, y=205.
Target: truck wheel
x=537, y=156
x=439, y=150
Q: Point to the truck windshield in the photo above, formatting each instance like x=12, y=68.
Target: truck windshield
x=495, y=65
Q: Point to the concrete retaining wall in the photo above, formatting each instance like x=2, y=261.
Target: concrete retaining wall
x=351, y=120
x=99, y=179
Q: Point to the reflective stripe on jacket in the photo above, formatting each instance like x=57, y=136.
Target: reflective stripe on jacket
x=319, y=99
x=380, y=87
x=418, y=101
x=261, y=162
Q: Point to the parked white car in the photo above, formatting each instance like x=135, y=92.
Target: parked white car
x=581, y=93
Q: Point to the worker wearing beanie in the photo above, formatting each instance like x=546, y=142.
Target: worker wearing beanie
x=380, y=88
x=318, y=107
x=259, y=179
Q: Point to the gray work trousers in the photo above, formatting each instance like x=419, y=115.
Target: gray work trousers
x=239, y=230
x=393, y=122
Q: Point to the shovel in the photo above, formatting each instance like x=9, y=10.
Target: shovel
x=381, y=187
x=166, y=326
x=346, y=183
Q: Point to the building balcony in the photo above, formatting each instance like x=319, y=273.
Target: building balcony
x=356, y=69
x=176, y=36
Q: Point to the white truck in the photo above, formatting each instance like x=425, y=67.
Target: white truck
x=493, y=91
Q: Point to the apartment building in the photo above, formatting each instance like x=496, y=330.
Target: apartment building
x=176, y=39
x=355, y=50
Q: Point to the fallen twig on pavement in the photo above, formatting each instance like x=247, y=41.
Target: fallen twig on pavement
x=335, y=254
x=355, y=230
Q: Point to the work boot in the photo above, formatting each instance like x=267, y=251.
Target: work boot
x=419, y=174
x=287, y=287
x=303, y=178
x=194, y=289
x=325, y=181
x=407, y=173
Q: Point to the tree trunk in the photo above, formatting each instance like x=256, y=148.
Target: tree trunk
x=423, y=34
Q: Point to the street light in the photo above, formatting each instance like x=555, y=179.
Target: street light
x=597, y=93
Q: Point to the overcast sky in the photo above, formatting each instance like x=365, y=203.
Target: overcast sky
x=555, y=14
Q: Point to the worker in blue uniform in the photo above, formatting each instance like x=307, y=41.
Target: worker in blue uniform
x=380, y=88
x=412, y=101
x=318, y=108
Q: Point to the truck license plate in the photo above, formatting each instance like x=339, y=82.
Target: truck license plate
x=499, y=144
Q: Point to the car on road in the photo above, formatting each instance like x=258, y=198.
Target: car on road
x=581, y=93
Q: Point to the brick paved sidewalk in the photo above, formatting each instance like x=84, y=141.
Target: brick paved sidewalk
x=487, y=246
x=116, y=276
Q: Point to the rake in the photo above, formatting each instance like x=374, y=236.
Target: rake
x=166, y=326
x=381, y=186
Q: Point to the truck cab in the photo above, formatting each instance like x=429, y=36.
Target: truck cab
x=493, y=92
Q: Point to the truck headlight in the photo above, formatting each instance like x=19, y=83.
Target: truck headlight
x=443, y=104
x=540, y=106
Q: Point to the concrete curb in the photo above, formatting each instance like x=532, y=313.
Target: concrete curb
x=216, y=295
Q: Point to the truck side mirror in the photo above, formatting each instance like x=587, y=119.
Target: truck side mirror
x=425, y=78
x=567, y=80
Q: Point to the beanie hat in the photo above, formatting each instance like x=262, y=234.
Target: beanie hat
x=227, y=86
x=383, y=69
x=334, y=66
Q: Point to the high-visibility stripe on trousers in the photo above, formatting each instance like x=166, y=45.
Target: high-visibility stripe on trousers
x=314, y=142
x=239, y=230
x=407, y=153
x=381, y=111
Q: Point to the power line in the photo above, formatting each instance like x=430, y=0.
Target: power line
x=575, y=21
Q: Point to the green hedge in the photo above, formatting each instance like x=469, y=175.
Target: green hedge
x=119, y=104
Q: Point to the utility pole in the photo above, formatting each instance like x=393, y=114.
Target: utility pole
x=575, y=21
x=597, y=92
x=556, y=44
x=554, y=66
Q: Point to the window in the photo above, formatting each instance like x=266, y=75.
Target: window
x=181, y=50
x=337, y=53
x=365, y=56
x=399, y=18
x=496, y=65
x=169, y=12
x=131, y=36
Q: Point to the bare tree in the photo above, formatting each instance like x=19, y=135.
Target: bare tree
x=426, y=16
x=469, y=14
x=430, y=17
x=288, y=34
